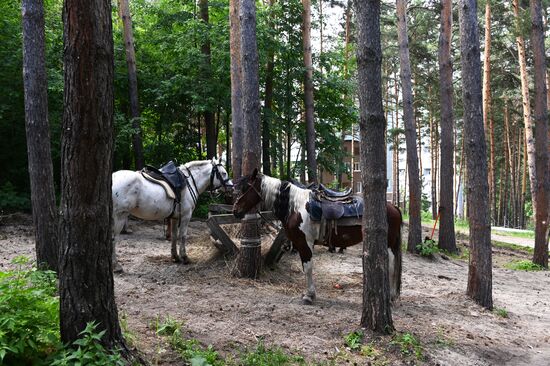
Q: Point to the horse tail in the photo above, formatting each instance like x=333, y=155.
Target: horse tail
x=397, y=254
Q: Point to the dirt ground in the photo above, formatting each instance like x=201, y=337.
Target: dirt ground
x=231, y=314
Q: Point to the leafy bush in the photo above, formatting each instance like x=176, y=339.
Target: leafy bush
x=262, y=356
x=354, y=339
x=29, y=314
x=203, y=204
x=10, y=200
x=409, y=345
x=192, y=351
x=88, y=350
x=427, y=248
x=523, y=265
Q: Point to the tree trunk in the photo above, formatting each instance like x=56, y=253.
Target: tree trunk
x=527, y=120
x=415, y=193
x=487, y=105
x=268, y=107
x=209, y=122
x=480, y=268
x=248, y=261
x=86, y=285
x=236, y=89
x=308, y=93
x=44, y=211
x=124, y=12
x=376, y=313
x=542, y=188
x=447, y=240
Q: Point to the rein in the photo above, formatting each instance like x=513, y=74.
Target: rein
x=193, y=194
x=215, y=172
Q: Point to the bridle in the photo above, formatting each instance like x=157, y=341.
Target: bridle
x=214, y=173
x=250, y=187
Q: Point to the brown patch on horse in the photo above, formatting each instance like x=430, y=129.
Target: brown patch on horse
x=395, y=221
x=343, y=237
x=296, y=236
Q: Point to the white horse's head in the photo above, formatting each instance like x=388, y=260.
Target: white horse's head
x=219, y=178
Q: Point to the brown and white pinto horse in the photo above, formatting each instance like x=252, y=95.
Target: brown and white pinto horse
x=288, y=203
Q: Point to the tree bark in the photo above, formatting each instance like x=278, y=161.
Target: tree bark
x=376, y=313
x=487, y=106
x=209, y=123
x=124, y=12
x=542, y=188
x=447, y=240
x=308, y=92
x=415, y=193
x=85, y=275
x=44, y=211
x=480, y=268
x=236, y=89
x=248, y=260
x=527, y=120
x=268, y=108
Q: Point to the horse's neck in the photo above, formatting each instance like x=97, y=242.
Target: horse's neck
x=292, y=198
x=201, y=177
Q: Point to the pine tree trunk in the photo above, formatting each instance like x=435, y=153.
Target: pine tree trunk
x=487, y=106
x=86, y=284
x=447, y=240
x=248, y=260
x=268, y=108
x=308, y=93
x=480, y=268
x=236, y=90
x=542, y=188
x=527, y=120
x=44, y=211
x=124, y=12
x=415, y=193
x=376, y=291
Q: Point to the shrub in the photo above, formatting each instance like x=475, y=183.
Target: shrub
x=427, y=248
x=88, y=350
x=29, y=314
x=409, y=345
x=10, y=200
x=523, y=265
x=354, y=339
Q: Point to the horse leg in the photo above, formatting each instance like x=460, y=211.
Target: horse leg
x=173, y=227
x=305, y=248
x=184, y=224
x=118, y=224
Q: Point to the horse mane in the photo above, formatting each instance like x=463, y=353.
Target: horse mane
x=195, y=163
x=283, y=196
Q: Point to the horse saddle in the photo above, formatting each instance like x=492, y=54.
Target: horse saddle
x=343, y=205
x=169, y=176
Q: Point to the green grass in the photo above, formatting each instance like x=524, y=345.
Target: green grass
x=409, y=345
x=523, y=265
x=515, y=247
x=503, y=313
x=354, y=339
x=515, y=234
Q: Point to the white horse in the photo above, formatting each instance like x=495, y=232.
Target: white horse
x=135, y=195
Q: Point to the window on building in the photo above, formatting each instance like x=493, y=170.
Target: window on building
x=356, y=166
x=427, y=171
x=356, y=151
x=348, y=166
x=358, y=187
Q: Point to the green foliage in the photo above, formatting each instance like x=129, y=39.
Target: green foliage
x=262, y=356
x=523, y=265
x=409, y=345
x=192, y=351
x=503, y=313
x=368, y=350
x=11, y=200
x=167, y=327
x=354, y=339
x=427, y=248
x=203, y=204
x=88, y=350
x=29, y=314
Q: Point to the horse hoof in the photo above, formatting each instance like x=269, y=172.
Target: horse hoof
x=185, y=260
x=176, y=259
x=118, y=268
x=306, y=300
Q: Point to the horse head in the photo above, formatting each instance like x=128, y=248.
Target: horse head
x=219, y=178
x=249, y=193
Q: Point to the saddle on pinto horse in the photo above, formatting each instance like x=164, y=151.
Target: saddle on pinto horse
x=169, y=176
x=334, y=209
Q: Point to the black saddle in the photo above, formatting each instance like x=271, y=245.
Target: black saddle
x=327, y=192
x=171, y=174
x=320, y=208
